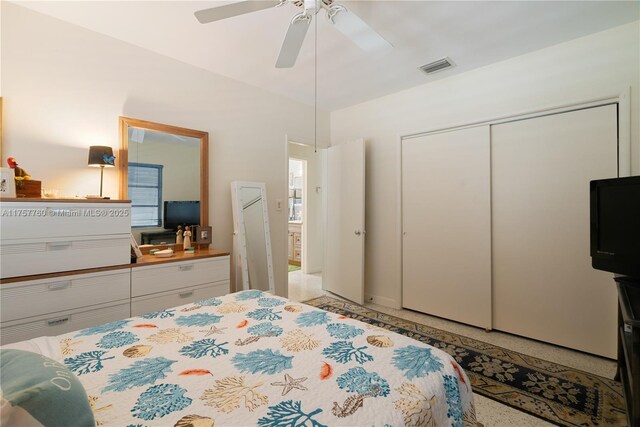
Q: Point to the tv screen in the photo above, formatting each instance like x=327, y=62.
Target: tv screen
x=615, y=225
x=181, y=213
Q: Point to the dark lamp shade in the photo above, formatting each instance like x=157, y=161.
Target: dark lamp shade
x=100, y=155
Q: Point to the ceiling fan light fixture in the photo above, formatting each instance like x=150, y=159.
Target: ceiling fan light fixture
x=311, y=7
x=343, y=20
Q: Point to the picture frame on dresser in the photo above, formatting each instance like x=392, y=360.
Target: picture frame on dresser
x=7, y=183
x=203, y=235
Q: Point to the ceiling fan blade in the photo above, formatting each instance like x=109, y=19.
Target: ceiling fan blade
x=234, y=9
x=293, y=41
x=350, y=24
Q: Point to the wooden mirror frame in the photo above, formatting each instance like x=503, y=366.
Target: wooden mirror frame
x=123, y=163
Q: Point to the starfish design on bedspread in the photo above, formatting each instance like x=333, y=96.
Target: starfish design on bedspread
x=290, y=383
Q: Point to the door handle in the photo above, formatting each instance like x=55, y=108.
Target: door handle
x=185, y=294
x=55, y=322
x=358, y=232
x=186, y=267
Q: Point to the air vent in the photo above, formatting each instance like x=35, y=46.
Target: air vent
x=440, y=64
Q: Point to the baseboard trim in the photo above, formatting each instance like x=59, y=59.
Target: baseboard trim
x=384, y=301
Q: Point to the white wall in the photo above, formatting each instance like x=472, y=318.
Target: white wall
x=597, y=66
x=64, y=88
x=313, y=209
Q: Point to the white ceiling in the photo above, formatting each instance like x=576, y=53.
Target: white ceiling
x=245, y=48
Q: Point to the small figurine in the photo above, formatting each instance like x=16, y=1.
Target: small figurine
x=179, y=235
x=20, y=173
x=187, y=238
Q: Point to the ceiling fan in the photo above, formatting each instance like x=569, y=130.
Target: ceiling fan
x=342, y=19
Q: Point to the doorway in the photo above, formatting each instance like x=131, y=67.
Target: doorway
x=305, y=213
x=295, y=204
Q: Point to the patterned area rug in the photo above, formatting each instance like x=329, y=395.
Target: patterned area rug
x=558, y=394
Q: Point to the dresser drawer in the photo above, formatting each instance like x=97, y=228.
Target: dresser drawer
x=28, y=220
x=25, y=257
x=38, y=297
x=62, y=322
x=175, y=275
x=164, y=300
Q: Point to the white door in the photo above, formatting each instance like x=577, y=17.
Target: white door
x=543, y=284
x=343, y=272
x=446, y=222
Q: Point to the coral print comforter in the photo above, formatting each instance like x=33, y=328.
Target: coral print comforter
x=251, y=358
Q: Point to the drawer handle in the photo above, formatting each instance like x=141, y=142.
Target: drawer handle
x=185, y=267
x=55, y=322
x=59, y=286
x=58, y=245
x=185, y=294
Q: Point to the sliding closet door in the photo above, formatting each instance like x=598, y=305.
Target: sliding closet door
x=446, y=251
x=543, y=283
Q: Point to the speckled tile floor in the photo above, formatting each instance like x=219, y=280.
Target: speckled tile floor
x=303, y=287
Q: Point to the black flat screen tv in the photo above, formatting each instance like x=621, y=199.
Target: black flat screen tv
x=181, y=213
x=615, y=225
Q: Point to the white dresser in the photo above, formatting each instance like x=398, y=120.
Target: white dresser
x=57, y=305
x=40, y=237
x=155, y=287
x=53, y=254
x=65, y=265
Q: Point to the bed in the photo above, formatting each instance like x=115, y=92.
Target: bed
x=252, y=358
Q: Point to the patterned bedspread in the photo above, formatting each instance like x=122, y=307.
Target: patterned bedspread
x=251, y=358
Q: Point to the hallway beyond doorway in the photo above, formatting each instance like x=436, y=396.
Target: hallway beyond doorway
x=303, y=287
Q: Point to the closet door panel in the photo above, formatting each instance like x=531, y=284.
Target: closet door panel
x=446, y=225
x=543, y=284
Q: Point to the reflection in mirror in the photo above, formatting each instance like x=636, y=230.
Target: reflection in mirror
x=252, y=243
x=164, y=179
x=162, y=172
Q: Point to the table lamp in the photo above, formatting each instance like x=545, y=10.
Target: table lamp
x=101, y=156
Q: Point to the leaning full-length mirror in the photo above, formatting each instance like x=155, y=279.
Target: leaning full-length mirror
x=252, y=242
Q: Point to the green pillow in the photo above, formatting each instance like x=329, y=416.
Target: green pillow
x=37, y=390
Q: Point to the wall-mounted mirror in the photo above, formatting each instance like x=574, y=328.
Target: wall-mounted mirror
x=163, y=170
x=252, y=241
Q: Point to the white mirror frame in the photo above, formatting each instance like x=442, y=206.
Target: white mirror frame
x=239, y=238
